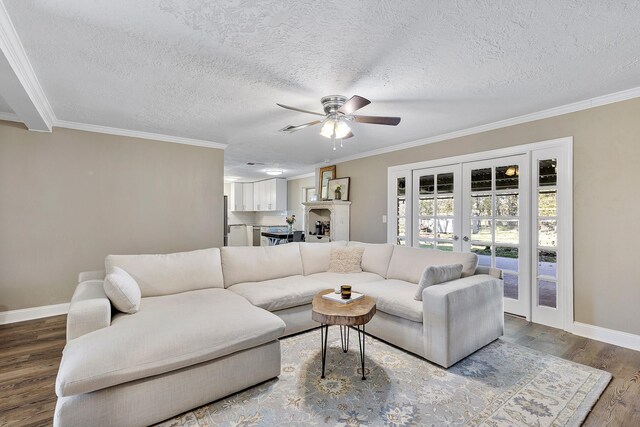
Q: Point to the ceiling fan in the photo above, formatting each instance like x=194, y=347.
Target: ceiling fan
x=338, y=111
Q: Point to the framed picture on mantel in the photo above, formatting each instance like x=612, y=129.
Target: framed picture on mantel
x=339, y=189
x=326, y=174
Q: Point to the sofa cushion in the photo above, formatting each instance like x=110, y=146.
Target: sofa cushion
x=376, y=257
x=122, y=290
x=394, y=297
x=171, y=273
x=346, y=260
x=408, y=263
x=168, y=333
x=331, y=280
x=315, y=256
x=437, y=274
x=278, y=294
x=257, y=263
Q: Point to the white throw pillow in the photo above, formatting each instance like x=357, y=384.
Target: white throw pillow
x=122, y=290
x=437, y=274
x=346, y=260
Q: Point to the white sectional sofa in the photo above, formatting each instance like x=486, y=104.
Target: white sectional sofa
x=209, y=323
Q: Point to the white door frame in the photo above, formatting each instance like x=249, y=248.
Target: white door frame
x=540, y=314
x=565, y=224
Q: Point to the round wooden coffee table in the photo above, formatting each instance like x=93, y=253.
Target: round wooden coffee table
x=356, y=313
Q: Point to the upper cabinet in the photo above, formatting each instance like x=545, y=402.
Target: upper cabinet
x=235, y=196
x=247, y=196
x=270, y=195
x=241, y=196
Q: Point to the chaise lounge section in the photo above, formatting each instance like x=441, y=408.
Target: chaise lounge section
x=209, y=323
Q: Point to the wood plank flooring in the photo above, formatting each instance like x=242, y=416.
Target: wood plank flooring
x=30, y=353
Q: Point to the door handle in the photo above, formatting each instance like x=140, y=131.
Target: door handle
x=465, y=238
x=456, y=238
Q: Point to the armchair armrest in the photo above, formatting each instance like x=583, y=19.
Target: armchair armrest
x=491, y=271
x=91, y=275
x=90, y=309
x=461, y=317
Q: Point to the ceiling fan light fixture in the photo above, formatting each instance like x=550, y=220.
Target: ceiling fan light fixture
x=338, y=111
x=327, y=128
x=333, y=128
x=341, y=129
x=274, y=172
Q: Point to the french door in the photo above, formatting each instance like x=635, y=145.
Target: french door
x=512, y=207
x=548, y=187
x=436, y=217
x=495, y=222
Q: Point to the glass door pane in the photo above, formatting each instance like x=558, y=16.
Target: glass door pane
x=547, y=234
x=399, y=208
x=437, y=199
x=494, y=228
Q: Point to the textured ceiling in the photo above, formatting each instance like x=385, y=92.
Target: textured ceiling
x=214, y=70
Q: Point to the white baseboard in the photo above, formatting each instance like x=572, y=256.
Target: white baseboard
x=31, y=313
x=610, y=336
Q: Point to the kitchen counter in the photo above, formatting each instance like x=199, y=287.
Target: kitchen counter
x=279, y=236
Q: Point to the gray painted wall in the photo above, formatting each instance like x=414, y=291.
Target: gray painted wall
x=69, y=198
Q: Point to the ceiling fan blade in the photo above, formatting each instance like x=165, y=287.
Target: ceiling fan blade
x=299, y=109
x=377, y=120
x=354, y=103
x=349, y=135
x=291, y=129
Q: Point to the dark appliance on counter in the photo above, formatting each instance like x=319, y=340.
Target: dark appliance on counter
x=322, y=228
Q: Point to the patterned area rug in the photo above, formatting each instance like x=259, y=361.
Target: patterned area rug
x=503, y=384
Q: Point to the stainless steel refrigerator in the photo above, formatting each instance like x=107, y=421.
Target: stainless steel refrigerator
x=226, y=223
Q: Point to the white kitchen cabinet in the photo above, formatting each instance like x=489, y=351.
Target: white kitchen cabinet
x=247, y=196
x=238, y=235
x=241, y=196
x=257, y=195
x=270, y=195
x=236, y=196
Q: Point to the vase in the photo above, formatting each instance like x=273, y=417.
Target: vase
x=290, y=229
x=338, y=195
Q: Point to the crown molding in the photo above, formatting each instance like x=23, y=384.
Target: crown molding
x=10, y=117
x=539, y=115
x=17, y=59
x=304, y=175
x=138, y=134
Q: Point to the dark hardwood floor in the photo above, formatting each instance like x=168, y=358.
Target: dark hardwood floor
x=30, y=353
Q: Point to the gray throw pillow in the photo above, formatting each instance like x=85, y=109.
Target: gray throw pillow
x=435, y=275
